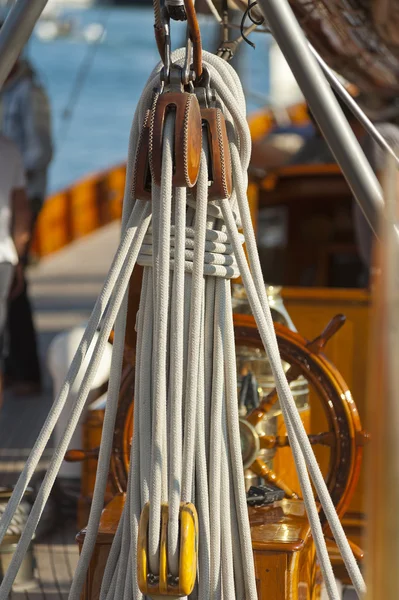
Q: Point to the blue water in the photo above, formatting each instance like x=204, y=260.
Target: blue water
x=96, y=135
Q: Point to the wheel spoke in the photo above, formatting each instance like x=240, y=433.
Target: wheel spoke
x=267, y=442
x=267, y=403
x=331, y=329
x=260, y=468
x=327, y=438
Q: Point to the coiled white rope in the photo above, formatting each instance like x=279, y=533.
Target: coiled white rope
x=19, y=519
x=188, y=447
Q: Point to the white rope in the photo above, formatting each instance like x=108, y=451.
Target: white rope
x=186, y=441
x=293, y=421
x=214, y=11
x=302, y=474
x=158, y=493
x=176, y=382
x=305, y=483
x=58, y=457
x=132, y=220
x=76, y=364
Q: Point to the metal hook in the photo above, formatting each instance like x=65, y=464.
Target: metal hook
x=193, y=45
x=164, y=43
x=205, y=93
x=186, y=71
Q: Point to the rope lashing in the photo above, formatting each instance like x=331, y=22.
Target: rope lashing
x=186, y=441
x=219, y=260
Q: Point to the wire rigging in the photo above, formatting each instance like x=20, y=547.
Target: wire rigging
x=79, y=83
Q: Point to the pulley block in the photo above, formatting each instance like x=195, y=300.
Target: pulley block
x=142, y=172
x=164, y=584
x=187, y=139
x=220, y=176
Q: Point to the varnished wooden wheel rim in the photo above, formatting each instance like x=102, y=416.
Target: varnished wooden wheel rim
x=123, y=431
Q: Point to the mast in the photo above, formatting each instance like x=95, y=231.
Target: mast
x=383, y=482
x=16, y=31
x=332, y=123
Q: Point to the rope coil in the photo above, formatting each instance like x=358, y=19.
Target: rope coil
x=19, y=519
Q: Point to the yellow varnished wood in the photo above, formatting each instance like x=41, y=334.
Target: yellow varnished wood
x=304, y=188
x=285, y=558
x=262, y=470
x=331, y=393
x=261, y=121
x=280, y=527
x=106, y=531
x=283, y=461
x=91, y=438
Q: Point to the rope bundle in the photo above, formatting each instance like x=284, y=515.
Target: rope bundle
x=186, y=442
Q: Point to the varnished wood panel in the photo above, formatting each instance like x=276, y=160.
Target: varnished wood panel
x=283, y=461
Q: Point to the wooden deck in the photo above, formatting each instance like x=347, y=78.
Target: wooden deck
x=63, y=289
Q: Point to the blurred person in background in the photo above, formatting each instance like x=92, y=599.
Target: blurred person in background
x=15, y=229
x=25, y=119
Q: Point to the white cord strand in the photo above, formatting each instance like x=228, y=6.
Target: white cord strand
x=291, y=414
x=217, y=400
x=144, y=354
x=110, y=414
x=176, y=383
x=194, y=335
x=302, y=473
x=201, y=472
x=161, y=284
x=59, y=403
x=84, y=389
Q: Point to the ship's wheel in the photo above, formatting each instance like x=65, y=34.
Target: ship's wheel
x=343, y=437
